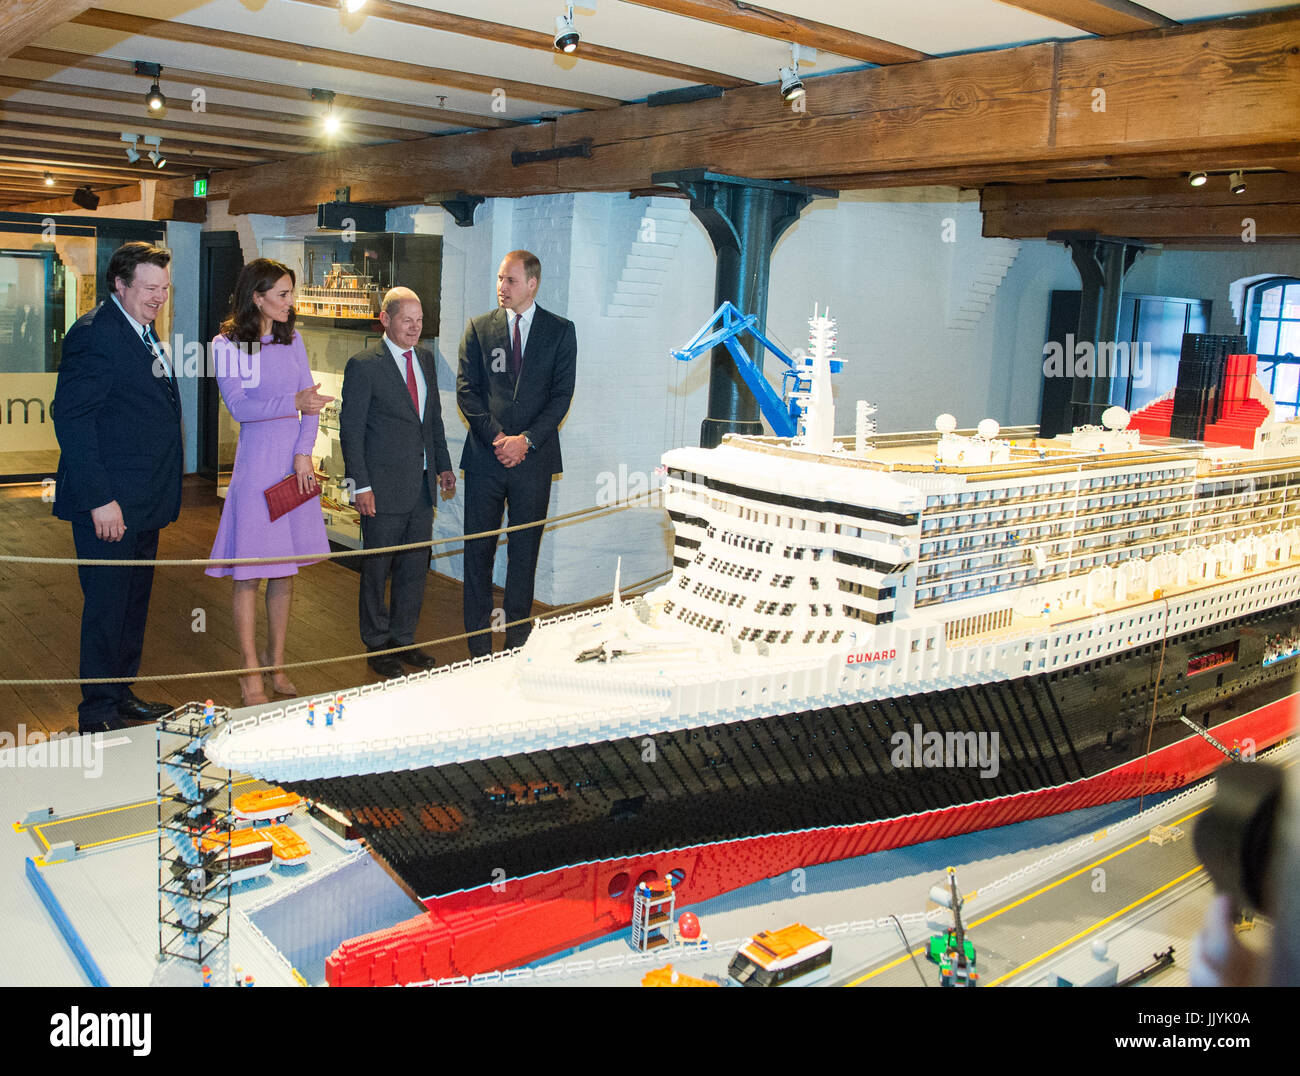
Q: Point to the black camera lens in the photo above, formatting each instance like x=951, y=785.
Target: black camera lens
x=1234, y=837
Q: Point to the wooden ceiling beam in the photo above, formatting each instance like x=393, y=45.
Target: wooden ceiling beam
x=23, y=21
x=164, y=30
x=1155, y=210
x=1157, y=165
x=107, y=197
x=1187, y=91
x=447, y=22
x=1182, y=94
x=95, y=152
x=12, y=162
x=300, y=120
x=21, y=183
x=57, y=137
x=751, y=19
x=64, y=60
x=1102, y=17
x=210, y=134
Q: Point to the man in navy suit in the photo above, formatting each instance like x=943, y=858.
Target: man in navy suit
x=117, y=416
x=514, y=386
x=395, y=450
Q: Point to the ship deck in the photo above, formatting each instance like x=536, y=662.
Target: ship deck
x=1022, y=626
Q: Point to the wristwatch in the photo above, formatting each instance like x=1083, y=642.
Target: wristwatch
x=528, y=441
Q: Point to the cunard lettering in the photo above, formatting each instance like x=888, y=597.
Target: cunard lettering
x=867, y=657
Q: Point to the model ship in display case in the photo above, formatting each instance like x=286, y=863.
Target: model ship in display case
x=346, y=293
x=860, y=647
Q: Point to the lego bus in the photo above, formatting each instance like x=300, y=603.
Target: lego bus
x=792, y=956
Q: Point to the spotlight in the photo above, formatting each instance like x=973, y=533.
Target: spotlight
x=566, y=36
x=792, y=87
x=131, y=154
x=330, y=122
x=1237, y=182
x=791, y=84
x=155, y=154
x=154, y=98
x=49, y=180
x=351, y=7
x=1198, y=179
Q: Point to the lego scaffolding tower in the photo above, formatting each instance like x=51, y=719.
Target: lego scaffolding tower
x=652, y=914
x=193, y=800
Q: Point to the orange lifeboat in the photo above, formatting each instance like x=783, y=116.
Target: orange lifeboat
x=266, y=805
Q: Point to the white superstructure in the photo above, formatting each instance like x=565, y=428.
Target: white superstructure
x=809, y=575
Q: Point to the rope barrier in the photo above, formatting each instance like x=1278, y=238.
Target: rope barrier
x=594, y=512
x=648, y=581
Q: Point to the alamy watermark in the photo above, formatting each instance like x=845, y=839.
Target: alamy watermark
x=194, y=358
x=58, y=751
x=917, y=748
x=1083, y=358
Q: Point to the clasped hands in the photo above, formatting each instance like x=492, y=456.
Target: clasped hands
x=510, y=450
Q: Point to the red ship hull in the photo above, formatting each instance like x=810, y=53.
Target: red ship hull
x=529, y=918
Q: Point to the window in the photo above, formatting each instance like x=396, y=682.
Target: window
x=1273, y=333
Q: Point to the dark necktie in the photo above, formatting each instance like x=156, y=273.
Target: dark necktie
x=411, y=385
x=517, y=352
x=151, y=342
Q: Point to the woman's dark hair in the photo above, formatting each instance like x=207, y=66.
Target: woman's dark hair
x=243, y=325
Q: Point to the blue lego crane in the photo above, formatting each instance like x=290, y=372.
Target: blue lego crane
x=782, y=412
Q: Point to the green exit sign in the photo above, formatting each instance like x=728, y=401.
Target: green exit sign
x=200, y=188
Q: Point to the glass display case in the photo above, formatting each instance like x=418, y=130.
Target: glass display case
x=50, y=269
x=341, y=278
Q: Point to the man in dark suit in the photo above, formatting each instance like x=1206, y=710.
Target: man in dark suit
x=395, y=450
x=117, y=416
x=514, y=386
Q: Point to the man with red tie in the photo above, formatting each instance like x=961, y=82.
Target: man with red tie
x=395, y=451
x=517, y=370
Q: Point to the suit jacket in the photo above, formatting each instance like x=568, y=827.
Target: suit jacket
x=384, y=441
x=493, y=403
x=119, y=428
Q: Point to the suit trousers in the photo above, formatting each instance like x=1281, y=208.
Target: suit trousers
x=113, y=618
x=386, y=623
x=487, y=493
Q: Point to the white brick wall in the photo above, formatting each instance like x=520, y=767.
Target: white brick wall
x=882, y=266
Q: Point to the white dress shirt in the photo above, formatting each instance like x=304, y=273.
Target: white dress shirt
x=160, y=352
x=421, y=389
x=525, y=323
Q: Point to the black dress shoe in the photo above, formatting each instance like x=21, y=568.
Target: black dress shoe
x=417, y=659
x=136, y=709
x=109, y=724
x=386, y=666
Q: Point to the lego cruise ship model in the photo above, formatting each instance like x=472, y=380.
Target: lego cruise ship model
x=861, y=646
x=346, y=293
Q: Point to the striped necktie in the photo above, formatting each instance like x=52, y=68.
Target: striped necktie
x=152, y=343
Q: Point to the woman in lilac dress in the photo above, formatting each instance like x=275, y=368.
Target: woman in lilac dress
x=265, y=388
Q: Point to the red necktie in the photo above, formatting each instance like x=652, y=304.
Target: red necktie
x=411, y=386
x=517, y=356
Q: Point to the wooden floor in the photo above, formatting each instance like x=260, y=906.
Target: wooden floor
x=40, y=616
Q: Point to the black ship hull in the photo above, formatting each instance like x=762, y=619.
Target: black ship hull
x=450, y=828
